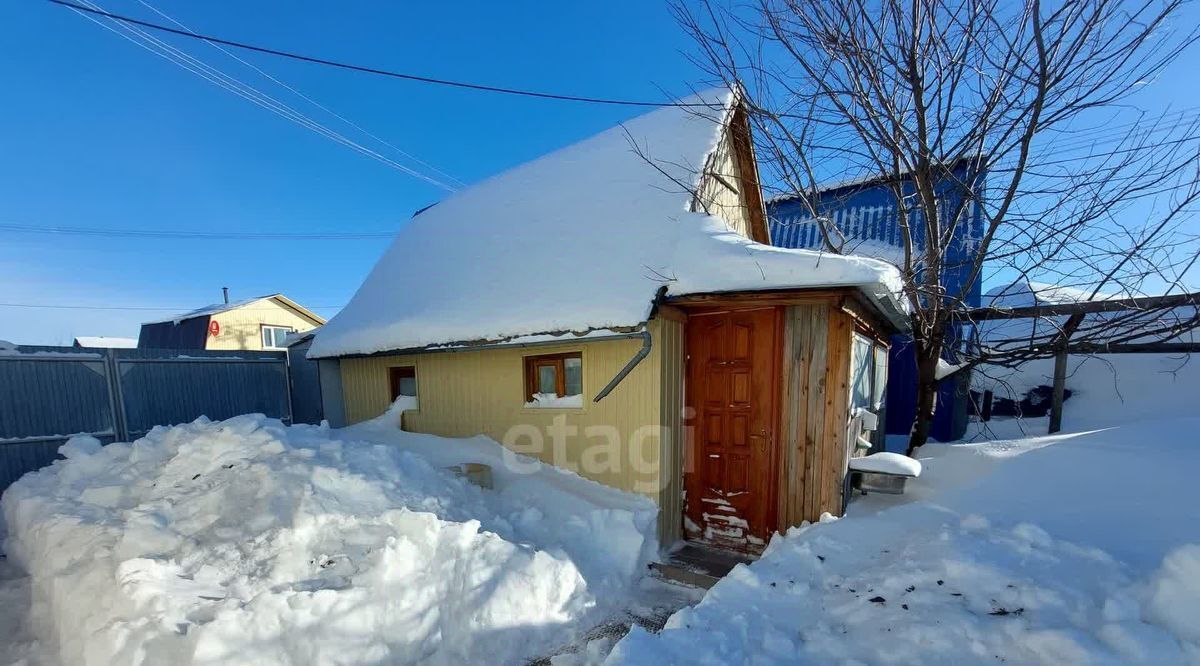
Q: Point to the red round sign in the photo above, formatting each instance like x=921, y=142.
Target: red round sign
x=214, y=328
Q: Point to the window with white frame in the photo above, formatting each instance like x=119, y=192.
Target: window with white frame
x=868, y=373
x=273, y=336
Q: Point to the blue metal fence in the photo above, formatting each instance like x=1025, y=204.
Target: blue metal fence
x=48, y=394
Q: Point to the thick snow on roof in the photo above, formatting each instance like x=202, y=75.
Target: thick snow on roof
x=105, y=341
x=1024, y=292
x=1018, y=333
x=579, y=239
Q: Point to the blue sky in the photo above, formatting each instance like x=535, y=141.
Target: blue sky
x=97, y=132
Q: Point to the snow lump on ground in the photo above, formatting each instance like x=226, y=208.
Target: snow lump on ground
x=252, y=542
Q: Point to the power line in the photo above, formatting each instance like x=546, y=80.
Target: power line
x=202, y=69
x=454, y=181
x=182, y=310
x=194, y=234
x=374, y=70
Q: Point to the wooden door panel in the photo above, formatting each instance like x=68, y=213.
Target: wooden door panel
x=732, y=391
x=740, y=347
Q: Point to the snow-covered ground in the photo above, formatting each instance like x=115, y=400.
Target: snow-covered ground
x=1106, y=389
x=1072, y=549
x=248, y=541
x=251, y=542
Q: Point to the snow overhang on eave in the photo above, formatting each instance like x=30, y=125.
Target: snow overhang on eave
x=520, y=341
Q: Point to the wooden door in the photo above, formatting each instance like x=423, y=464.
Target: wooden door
x=732, y=395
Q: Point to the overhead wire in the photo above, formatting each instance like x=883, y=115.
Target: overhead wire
x=182, y=310
x=378, y=71
x=214, y=75
x=195, y=234
x=454, y=181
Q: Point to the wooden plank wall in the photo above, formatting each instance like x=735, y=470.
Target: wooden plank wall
x=671, y=343
x=837, y=410
x=816, y=393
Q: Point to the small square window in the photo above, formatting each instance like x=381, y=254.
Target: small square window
x=554, y=380
x=273, y=336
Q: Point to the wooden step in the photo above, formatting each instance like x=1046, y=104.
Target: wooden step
x=699, y=566
x=675, y=573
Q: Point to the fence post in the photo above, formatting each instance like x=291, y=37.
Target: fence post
x=116, y=401
x=1060, y=385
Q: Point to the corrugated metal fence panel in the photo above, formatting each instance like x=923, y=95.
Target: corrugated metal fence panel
x=160, y=387
x=48, y=394
x=51, y=393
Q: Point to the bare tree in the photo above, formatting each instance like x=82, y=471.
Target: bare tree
x=1025, y=94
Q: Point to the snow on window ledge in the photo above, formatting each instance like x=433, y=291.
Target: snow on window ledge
x=551, y=400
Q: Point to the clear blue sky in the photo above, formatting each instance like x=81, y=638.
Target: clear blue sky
x=97, y=132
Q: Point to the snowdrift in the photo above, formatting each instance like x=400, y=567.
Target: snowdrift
x=1071, y=549
x=252, y=542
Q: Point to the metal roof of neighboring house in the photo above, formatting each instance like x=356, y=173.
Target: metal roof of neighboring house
x=218, y=308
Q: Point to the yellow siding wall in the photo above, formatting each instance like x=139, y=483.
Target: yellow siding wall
x=482, y=392
x=240, y=327
x=716, y=196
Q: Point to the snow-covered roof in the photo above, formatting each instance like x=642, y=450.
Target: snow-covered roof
x=1024, y=292
x=105, y=341
x=580, y=239
x=218, y=308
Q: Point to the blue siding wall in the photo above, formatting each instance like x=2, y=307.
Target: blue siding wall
x=866, y=215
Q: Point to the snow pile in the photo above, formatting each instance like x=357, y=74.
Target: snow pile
x=610, y=227
x=1053, y=550
x=249, y=541
x=887, y=463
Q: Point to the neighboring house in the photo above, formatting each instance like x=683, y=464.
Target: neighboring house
x=584, y=309
x=864, y=211
x=256, y=324
x=105, y=342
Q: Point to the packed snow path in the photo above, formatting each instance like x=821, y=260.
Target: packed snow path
x=252, y=542
x=1072, y=549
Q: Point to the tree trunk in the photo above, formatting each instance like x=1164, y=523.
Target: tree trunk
x=927, y=387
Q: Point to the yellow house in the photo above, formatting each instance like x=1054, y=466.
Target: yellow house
x=614, y=308
x=257, y=324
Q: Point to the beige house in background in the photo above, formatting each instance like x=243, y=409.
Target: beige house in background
x=256, y=324
x=614, y=308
